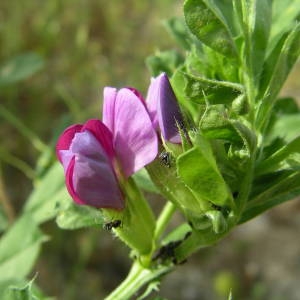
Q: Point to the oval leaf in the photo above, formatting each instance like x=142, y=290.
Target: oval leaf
x=210, y=30
x=76, y=216
x=202, y=177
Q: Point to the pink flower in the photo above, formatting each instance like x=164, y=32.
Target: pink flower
x=164, y=109
x=97, y=154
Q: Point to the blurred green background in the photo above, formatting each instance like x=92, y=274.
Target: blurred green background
x=73, y=48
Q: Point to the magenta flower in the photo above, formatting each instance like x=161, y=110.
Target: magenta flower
x=97, y=154
x=164, y=109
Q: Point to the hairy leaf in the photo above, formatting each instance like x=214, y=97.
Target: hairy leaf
x=199, y=172
x=200, y=89
x=208, y=28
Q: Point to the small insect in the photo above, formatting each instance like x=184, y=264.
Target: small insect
x=165, y=158
x=113, y=224
x=216, y=207
x=167, y=252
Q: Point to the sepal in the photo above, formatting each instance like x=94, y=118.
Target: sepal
x=137, y=222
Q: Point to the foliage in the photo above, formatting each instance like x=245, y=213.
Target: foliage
x=239, y=154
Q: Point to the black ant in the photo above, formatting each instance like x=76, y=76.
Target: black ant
x=166, y=158
x=113, y=224
x=167, y=251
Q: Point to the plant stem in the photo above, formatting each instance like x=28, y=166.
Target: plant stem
x=4, y=200
x=164, y=219
x=17, y=163
x=25, y=131
x=138, y=276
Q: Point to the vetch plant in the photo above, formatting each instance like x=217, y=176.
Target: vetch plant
x=206, y=135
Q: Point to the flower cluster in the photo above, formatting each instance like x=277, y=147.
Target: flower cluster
x=99, y=155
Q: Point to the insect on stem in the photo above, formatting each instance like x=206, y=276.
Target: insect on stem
x=113, y=224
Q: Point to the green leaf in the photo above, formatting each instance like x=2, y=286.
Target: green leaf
x=240, y=105
x=277, y=67
x=20, y=67
x=171, y=187
x=284, y=158
x=208, y=28
x=247, y=135
x=282, y=191
x=225, y=12
x=279, y=63
x=206, y=63
x=19, y=248
x=47, y=193
x=198, y=89
x=198, y=170
x=77, y=216
x=286, y=127
x=215, y=125
x=178, y=84
x=286, y=105
x=284, y=17
x=259, y=20
x=20, y=293
x=144, y=181
x=283, y=122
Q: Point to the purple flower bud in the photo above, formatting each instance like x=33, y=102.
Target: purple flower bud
x=164, y=109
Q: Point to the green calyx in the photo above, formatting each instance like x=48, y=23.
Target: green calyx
x=136, y=222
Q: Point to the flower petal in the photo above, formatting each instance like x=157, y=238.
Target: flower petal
x=102, y=134
x=109, y=99
x=168, y=112
x=90, y=178
x=65, y=139
x=135, y=140
x=137, y=93
x=152, y=100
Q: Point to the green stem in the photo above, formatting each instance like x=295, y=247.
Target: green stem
x=198, y=240
x=25, y=131
x=136, y=279
x=164, y=219
x=5, y=201
x=17, y=163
